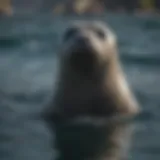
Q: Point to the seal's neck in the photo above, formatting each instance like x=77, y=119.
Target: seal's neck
x=111, y=90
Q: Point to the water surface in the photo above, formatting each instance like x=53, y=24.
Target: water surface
x=28, y=70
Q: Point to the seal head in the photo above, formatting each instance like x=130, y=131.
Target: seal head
x=87, y=47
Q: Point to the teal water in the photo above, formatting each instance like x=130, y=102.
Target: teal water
x=28, y=69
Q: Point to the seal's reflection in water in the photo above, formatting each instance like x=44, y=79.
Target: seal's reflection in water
x=94, y=139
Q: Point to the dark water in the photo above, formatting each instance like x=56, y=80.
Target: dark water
x=28, y=70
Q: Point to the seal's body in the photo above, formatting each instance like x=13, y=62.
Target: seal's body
x=90, y=84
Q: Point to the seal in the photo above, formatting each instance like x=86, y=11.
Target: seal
x=91, y=86
x=91, y=80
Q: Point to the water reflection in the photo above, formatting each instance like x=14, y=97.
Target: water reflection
x=96, y=139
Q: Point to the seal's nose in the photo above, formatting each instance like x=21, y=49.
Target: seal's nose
x=82, y=40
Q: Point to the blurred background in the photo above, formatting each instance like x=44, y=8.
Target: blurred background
x=78, y=6
x=29, y=39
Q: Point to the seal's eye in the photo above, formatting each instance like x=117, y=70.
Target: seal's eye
x=100, y=33
x=70, y=33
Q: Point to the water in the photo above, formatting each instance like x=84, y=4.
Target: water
x=28, y=70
